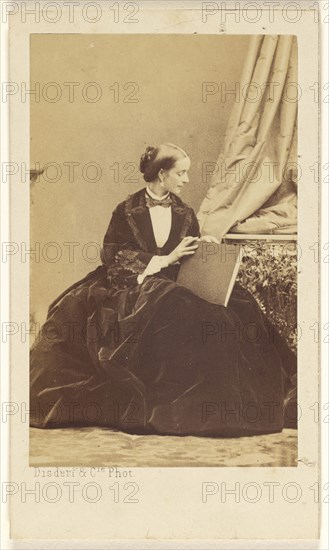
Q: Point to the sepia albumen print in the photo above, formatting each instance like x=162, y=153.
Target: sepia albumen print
x=144, y=149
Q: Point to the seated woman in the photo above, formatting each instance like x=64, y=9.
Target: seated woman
x=126, y=347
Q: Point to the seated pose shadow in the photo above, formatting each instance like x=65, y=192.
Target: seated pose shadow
x=126, y=346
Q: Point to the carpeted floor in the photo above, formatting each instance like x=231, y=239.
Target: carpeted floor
x=104, y=447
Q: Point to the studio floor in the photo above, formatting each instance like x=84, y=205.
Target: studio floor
x=104, y=447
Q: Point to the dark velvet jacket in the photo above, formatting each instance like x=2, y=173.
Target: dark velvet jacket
x=129, y=243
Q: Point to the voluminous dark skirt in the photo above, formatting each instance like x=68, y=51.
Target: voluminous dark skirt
x=157, y=359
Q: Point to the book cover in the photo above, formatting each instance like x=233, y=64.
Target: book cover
x=211, y=272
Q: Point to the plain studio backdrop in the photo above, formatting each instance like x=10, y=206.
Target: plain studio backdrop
x=99, y=101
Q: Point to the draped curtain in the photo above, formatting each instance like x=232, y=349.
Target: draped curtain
x=253, y=188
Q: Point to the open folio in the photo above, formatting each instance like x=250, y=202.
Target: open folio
x=211, y=272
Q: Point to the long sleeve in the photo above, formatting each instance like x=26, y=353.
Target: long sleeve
x=122, y=257
x=118, y=239
x=110, y=243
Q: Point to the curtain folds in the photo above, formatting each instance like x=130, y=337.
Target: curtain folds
x=254, y=185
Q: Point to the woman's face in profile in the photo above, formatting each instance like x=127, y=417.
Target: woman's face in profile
x=175, y=178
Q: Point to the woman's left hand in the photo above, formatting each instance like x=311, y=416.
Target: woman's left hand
x=209, y=239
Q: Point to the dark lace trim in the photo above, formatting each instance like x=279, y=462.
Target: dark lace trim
x=129, y=211
x=187, y=223
x=122, y=273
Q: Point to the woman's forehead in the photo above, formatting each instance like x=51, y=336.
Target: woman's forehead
x=183, y=164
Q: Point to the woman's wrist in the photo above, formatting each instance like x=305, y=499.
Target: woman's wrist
x=172, y=258
x=154, y=266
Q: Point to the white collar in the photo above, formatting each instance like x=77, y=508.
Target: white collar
x=154, y=196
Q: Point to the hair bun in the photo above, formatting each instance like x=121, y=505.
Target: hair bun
x=146, y=158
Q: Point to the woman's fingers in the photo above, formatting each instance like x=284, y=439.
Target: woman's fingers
x=186, y=247
x=189, y=250
x=192, y=247
x=189, y=239
x=188, y=253
x=210, y=239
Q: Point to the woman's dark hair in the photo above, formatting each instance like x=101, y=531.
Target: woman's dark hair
x=165, y=156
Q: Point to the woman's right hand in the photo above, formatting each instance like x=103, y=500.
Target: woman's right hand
x=185, y=248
